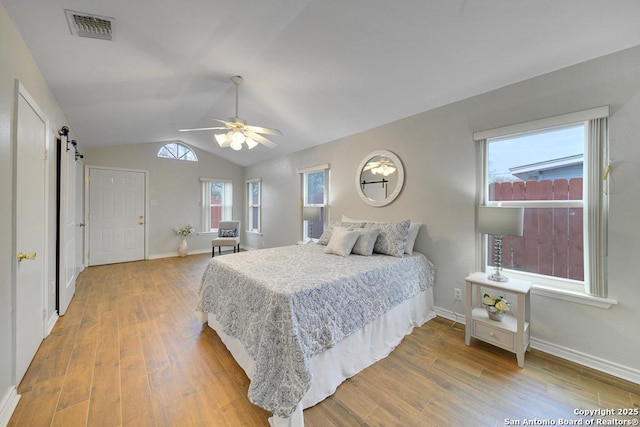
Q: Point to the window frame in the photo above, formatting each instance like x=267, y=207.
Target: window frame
x=250, y=206
x=178, y=144
x=205, y=206
x=593, y=290
x=304, y=173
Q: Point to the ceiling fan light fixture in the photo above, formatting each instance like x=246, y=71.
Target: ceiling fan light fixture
x=236, y=129
x=251, y=143
x=238, y=137
x=221, y=138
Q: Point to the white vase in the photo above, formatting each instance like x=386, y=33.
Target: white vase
x=495, y=314
x=182, y=247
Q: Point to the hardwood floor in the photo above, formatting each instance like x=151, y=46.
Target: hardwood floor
x=130, y=352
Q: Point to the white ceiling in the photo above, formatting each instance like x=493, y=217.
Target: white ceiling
x=318, y=70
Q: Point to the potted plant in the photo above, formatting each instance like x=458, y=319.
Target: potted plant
x=496, y=306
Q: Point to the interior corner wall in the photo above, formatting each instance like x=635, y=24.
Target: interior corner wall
x=439, y=157
x=174, y=191
x=16, y=63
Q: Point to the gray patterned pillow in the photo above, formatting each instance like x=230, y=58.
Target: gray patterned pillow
x=326, y=236
x=392, y=237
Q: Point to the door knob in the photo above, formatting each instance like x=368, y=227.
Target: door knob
x=22, y=256
x=82, y=224
x=141, y=223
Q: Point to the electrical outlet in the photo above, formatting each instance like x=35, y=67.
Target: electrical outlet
x=457, y=294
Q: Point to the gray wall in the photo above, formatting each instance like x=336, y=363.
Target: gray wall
x=17, y=63
x=175, y=186
x=440, y=190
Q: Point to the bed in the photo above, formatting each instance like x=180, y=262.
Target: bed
x=300, y=321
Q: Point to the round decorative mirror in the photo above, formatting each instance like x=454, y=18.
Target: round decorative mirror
x=379, y=178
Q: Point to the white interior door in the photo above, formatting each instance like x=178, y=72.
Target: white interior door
x=31, y=145
x=79, y=214
x=116, y=216
x=70, y=244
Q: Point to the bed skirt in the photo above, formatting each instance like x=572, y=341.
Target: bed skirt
x=373, y=342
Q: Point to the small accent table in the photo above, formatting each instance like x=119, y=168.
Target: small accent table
x=513, y=332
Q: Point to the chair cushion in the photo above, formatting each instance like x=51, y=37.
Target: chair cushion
x=225, y=241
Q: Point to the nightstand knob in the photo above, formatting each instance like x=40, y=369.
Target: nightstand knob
x=491, y=334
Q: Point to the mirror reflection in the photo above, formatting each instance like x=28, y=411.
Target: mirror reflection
x=380, y=178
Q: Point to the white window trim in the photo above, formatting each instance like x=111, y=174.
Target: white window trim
x=563, y=289
x=326, y=167
x=249, y=206
x=205, y=203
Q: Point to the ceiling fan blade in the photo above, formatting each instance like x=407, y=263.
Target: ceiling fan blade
x=212, y=128
x=371, y=165
x=261, y=139
x=224, y=122
x=268, y=131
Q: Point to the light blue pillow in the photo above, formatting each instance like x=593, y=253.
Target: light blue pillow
x=366, y=241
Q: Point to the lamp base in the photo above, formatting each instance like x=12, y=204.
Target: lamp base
x=497, y=277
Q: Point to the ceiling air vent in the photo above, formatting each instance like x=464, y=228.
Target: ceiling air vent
x=92, y=26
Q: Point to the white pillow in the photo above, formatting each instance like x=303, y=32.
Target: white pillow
x=347, y=219
x=366, y=241
x=414, y=228
x=341, y=242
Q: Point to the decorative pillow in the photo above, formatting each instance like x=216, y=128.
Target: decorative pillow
x=347, y=219
x=227, y=232
x=342, y=241
x=414, y=228
x=326, y=236
x=392, y=238
x=366, y=241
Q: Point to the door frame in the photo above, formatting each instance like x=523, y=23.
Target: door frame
x=48, y=319
x=87, y=219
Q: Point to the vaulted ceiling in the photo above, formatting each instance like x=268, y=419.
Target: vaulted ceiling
x=318, y=70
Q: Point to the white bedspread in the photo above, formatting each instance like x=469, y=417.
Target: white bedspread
x=287, y=304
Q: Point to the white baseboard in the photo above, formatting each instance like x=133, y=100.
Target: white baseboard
x=593, y=362
x=193, y=252
x=587, y=360
x=8, y=405
x=51, y=323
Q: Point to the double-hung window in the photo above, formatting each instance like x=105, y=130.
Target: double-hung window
x=315, y=199
x=217, y=203
x=556, y=169
x=254, y=203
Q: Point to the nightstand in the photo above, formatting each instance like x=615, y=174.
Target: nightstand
x=513, y=332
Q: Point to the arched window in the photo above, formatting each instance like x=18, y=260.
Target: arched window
x=177, y=150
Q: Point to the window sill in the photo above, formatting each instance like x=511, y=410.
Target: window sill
x=256, y=233
x=573, y=296
x=564, y=290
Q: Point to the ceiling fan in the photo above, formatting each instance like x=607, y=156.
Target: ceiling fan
x=382, y=166
x=235, y=130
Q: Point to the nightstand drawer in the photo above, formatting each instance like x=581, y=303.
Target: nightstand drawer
x=496, y=336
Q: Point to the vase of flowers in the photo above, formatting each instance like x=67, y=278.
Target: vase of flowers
x=183, y=232
x=496, y=306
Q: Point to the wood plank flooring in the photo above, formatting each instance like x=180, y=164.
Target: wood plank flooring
x=130, y=352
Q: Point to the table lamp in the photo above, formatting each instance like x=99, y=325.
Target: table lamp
x=499, y=222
